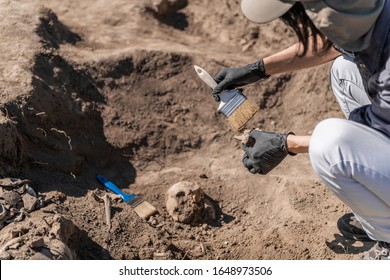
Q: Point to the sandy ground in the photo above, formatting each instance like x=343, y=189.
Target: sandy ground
x=108, y=87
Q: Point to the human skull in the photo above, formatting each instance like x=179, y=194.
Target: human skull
x=187, y=203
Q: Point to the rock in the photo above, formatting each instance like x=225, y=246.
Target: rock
x=29, y=202
x=62, y=228
x=245, y=138
x=14, y=246
x=13, y=233
x=41, y=236
x=37, y=242
x=17, y=218
x=12, y=198
x=54, y=197
x=42, y=255
x=61, y=250
x=4, y=255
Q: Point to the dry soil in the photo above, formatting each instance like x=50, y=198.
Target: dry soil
x=99, y=87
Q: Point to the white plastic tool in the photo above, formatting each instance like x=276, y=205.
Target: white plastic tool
x=230, y=99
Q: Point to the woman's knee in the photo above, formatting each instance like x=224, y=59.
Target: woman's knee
x=328, y=138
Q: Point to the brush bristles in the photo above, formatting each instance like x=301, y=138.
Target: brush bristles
x=145, y=209
x=242, y=114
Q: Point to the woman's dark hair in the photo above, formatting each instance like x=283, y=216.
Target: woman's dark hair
x=304, y=28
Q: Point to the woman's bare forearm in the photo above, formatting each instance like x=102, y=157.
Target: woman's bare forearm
x=289, y=60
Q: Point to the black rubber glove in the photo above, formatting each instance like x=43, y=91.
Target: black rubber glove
x=266, y=153
x=229, y=78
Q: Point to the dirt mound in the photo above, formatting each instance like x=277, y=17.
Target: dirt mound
x=11, y=147
x=115, y=94
x=168, y=12
x=41, y=237
x=53, y=32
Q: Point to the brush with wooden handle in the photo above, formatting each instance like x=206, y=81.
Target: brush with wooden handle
x=234, y=105
x=143, y=208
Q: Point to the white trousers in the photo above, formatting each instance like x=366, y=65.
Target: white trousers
x=353, y=159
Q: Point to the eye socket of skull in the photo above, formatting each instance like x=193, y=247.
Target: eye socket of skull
x=180, y=194
x=186, y=203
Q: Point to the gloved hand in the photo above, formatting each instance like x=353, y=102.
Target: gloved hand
x=229, y=78
x=266, y=153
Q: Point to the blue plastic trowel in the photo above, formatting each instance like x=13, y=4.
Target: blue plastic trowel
x=143, y=208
